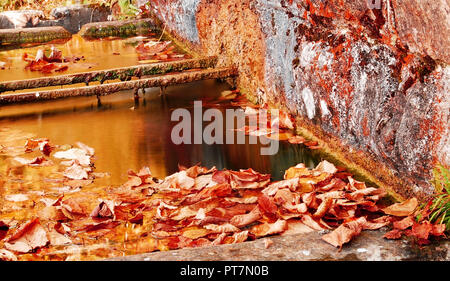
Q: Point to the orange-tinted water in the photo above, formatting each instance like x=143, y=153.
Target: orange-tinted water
x=126, y=136
x=98, y=55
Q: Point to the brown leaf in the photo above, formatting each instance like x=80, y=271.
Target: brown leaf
x=227, y=227
x=76, y=172
x=240, y=236
x=402, y=209
x=58, y=239
x=104, y=210
x=194, y=233
x=326, y=167
x=345, y=232
x=310, y=222
x=77, y=154
x=246, y=219
x=377, y=223
x=323, y=208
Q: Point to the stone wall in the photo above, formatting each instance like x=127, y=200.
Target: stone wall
x=372, y=81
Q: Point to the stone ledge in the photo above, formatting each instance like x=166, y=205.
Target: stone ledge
x=32, y=35
x=369, y=246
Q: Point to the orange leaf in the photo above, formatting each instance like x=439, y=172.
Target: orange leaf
x=402, y=209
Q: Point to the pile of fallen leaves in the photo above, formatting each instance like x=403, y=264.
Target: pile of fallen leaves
x=48, y=61
x=69, y=218
x=421, y=229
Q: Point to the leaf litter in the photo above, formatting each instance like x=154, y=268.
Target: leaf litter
x=66, y=215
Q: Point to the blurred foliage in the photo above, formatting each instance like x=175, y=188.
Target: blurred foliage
x=46, y=5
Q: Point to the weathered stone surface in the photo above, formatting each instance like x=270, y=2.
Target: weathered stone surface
x=20, y=19
x=118, y=28
x=424, y=25
x=369, y=246
x=114, y=87
x=351, y=75
x=74, y=17
x=32, y=35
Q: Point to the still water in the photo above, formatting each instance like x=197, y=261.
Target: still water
x=96, y=55
x=129, y=136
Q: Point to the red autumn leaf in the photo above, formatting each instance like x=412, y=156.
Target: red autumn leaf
x=48, y=68
x=219, y=190
x=438, y=229
x=267, y=205
x=248, y=179
x=28, y=237
x=285, y=120
x=61, y=68
x=200, y=242
x=55, y=56
x=41, y=144
x=334, y=185
x=296, y=140
x=323, y=208
x=404, y=223
x=99, y=226
x=402, y=209
x=221, y=176
x=311, y=143
x=421, y=230
x=137, y=219
x=393, y=234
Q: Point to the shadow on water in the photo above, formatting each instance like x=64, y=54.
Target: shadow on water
x=126, y=135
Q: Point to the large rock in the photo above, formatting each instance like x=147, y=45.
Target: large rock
x=353, y=76
x=20, y=19
x=74, y=17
